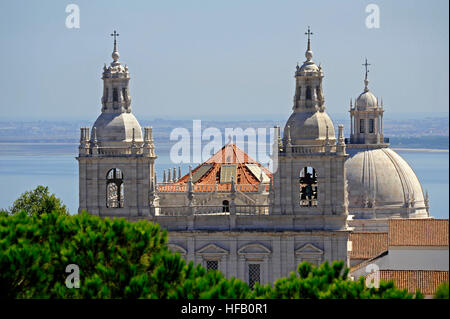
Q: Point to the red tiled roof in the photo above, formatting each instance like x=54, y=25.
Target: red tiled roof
x=368, y=245
x=229, y=154
x=424, y=280
x=418, y=232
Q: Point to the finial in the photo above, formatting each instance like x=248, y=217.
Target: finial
x=309, y=33
x=115, y=54
x=351, y=104
x=164, y=176
x=381, y=101
x=309, y=53
x=366, y=80
x=94, y=131
x=289, y=135
x=232, y=186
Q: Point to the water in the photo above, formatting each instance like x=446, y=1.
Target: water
x=25, y=166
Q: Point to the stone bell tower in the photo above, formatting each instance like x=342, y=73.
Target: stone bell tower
x=116, y=163
x=310, y=179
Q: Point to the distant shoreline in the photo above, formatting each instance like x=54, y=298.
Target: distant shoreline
x=73, y=143
x=420, y=149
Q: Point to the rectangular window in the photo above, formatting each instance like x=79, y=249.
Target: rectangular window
x=361, y=126
x=115, y=95
x=254, y=274
x=371, y=125
x=212, y=265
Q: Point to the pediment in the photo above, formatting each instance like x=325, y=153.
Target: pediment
x=254, y=249
x=177, y=249
x=212, y=249
x=309, y=249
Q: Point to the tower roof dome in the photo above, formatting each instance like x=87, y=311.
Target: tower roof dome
x=366, y=100
x=117, y=127
x=308, y=126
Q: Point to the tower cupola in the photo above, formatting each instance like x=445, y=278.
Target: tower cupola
x=366, y=117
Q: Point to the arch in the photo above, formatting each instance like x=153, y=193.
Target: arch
x=308, y=187
x=114, y=188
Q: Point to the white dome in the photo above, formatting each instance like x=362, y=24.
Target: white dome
x=309, y=126
x=117, y=127
x=366, y=99
x=382, y=179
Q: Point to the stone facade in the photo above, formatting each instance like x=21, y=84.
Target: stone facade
x=257, y=228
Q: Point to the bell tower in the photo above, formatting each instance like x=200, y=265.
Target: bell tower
x=116, y=161
x=309, y=182
x=366, y=118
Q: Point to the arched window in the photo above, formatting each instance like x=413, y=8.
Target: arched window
x=114, y=188
x=226, y=206
x=308, y=187
x=308, y=93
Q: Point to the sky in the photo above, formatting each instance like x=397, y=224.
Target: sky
x=220, y=59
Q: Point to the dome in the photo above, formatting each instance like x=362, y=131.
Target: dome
x=366, y=99
x=117, y=127
x=309, y=126
x=308, y=67
x=381, y=178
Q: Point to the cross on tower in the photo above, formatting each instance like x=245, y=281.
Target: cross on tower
x=366, y=65
x=115, y=34
x=309, y=33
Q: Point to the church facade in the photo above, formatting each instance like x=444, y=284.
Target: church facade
x=233, y=214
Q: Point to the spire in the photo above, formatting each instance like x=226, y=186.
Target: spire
x=115, y=55
x=366, y=80
x=309, y=53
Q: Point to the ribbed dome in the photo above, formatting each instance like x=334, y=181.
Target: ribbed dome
x=366, y=99
x=381, y=178
x=117, y=127
x=309, y=126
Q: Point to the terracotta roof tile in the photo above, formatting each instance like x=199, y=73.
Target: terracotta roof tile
x=368, y=245
x=425, y=280
x=229, y=154
x=418, y=232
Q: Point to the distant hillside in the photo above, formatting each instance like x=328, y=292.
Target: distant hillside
x=409, y=133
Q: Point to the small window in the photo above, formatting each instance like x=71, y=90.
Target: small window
x=308, y=93
x=212, y=265
x=371, y=126
x=226, y=206
x=361, y=126
x=254, y=274
x=105, y=97
x=115, y=95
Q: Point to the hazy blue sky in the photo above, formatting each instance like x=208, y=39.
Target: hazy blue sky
x=200, y=59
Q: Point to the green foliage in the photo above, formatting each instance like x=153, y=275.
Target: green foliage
x=327, y=282
x=121, y=259
x=442, y=291
x=37, y=202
